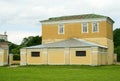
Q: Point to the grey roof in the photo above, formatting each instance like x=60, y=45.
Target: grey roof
x=3, y=45
x=84, y=16
x=1, y=34
x=73, y=42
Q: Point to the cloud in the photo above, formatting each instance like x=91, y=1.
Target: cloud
x=24, y=15
x=17, y=36
x=98, y=4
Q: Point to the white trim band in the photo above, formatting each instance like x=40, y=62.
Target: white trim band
x=75, y=21
x=23, y=52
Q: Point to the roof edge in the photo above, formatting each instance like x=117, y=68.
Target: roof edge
x=74, y=17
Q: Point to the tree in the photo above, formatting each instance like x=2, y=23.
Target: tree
x=12, y=47
x=2, y=40
x=117, y=43
x=31, y=41
x=117, y=51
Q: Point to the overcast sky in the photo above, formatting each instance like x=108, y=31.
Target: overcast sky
x=20, y=18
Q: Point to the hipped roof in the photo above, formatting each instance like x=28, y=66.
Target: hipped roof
x=3, y=45
x=84, y=16
x=69, y=43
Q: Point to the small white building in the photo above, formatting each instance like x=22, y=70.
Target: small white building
x=3, y=36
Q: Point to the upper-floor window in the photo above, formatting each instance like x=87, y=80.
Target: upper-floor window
x=84, y=27
x=61, y=29
x=95, y=27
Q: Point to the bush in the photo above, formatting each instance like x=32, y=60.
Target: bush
x=117, y=51
x=2, y=40
x=16, y=57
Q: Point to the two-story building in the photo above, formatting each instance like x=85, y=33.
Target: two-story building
x=73, y=40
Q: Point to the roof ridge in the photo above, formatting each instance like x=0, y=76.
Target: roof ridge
x=82, y=16
x=78, y=15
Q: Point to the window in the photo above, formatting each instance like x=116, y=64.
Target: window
x=85, y=28
x=80, y=53
x=35, y=54
x=95, y=27
x=61, y=29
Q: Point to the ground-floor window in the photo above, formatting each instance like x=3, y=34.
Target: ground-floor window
x=80, y=53
x=35, y=54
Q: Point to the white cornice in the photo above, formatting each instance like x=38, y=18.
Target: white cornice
x=75, y=21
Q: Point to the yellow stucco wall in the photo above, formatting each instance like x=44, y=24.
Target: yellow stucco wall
x=56, y=56
x=99, y=56
x=50, y=31
x=101, y=41
x=109, y=30
x=67, y=55
x=45, y=56
x=3, y=57
x=23, y=57
x=110, y=51
x=59, y=56
x=102, y=59
x=94, y=59
x=34, y=60
x=85, y=60
x=105, y=42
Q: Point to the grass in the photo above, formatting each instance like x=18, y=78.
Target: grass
x=60, y=73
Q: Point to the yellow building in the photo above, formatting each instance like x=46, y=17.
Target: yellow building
x=81, y=40
x=3, y=53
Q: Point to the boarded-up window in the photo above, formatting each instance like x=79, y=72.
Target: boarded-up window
x=35, y=54
x=80, y=53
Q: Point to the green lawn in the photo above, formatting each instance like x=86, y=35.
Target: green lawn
x=60, y=73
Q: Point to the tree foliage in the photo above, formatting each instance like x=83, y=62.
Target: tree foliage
x=13, y=48
x=30, y=41
x=2, y=40
x=117, y=43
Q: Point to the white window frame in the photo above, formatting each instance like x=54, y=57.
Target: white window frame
x=97, y=27
x=59, y=28
x=83, y=27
